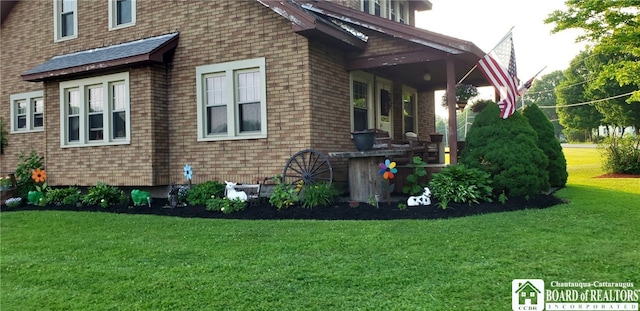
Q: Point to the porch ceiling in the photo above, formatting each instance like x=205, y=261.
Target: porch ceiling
x=411, y=68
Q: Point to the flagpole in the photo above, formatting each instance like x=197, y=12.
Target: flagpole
x=476, y=65
x=522, y=97
x=502, y=40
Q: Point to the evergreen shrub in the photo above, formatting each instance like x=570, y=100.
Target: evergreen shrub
x=506, y=149
x=549, y=144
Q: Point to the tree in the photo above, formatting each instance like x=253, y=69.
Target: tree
x=506, y=149
x=549, y=144
x=542, y=94
x=572, y=91
x=616, y=111
x=614, y=27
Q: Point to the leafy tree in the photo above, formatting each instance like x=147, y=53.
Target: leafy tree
x=614, y=27
x=549, y=144
x=542, y=93
x=506, y=149
x=616, y=111
x=572, y=91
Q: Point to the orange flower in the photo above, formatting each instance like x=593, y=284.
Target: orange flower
x=38, y=175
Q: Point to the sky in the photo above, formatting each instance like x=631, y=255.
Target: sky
x=485, y=22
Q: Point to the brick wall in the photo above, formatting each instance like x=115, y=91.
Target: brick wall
x=163, y=99
x=330, y=100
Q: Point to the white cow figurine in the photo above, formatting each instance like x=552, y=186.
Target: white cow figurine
x=234, y=194
x=424, y=199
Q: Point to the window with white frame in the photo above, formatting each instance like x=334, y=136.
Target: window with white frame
x=232, y=100
x=65, y=19
x=395, y=10
x=361, y=101
x=95, y=111
x=409, y=109
x=122, y=13
x=27, y=112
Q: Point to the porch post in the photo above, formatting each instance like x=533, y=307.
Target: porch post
x=451, y=104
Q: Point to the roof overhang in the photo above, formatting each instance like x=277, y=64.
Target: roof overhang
x=422, y=5
x=314, y=26
x=148, y=50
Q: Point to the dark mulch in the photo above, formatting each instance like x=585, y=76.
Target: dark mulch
x=618, y=175
x=338, y=211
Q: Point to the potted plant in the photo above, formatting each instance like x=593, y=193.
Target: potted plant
x=363, y=139
x=436, y=137
x=463, y=93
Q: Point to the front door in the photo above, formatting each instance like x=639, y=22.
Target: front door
x=383, y=105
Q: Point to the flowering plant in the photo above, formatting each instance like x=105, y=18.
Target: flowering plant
x=465, y=91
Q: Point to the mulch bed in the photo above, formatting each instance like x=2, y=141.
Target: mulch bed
x=614, y=175
x=339, y=211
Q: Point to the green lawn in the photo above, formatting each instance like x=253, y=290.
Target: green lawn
x=98, y=261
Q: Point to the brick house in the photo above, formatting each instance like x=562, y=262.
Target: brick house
x=129, y=91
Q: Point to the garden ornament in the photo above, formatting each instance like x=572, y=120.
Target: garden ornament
x=140, y=197
x=424, y=199
x=233, y=194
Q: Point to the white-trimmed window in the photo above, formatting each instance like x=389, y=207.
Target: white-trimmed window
x=409, y=109
x=65, y=19
x=395, y=10
x=362, y=116
x=27, y=112
x=122, y=13
x=95, y=111
x=232, y=100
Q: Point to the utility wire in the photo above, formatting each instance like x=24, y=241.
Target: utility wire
x=589, y=102
x=560, y=88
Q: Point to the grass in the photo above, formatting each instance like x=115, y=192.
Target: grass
x=97, y=261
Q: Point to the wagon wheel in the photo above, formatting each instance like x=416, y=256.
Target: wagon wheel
x=308, y=165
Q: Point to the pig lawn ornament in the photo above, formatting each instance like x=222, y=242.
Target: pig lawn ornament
x=424, y=199
x=233, y=194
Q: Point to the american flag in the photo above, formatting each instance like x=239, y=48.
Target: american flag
x=503, y=78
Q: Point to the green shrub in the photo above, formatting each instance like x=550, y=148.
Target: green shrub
x=461, y=185
x=67, y=196
x=23, y=172
x=321, y=194
x=225, y=205
x=549, y=144
x=506, y=149
x=413, y=186
x=621, y=154
x=200, y=193
x=284, y=195
x=104, y=195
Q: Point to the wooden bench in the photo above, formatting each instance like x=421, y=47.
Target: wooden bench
x=428, y=151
